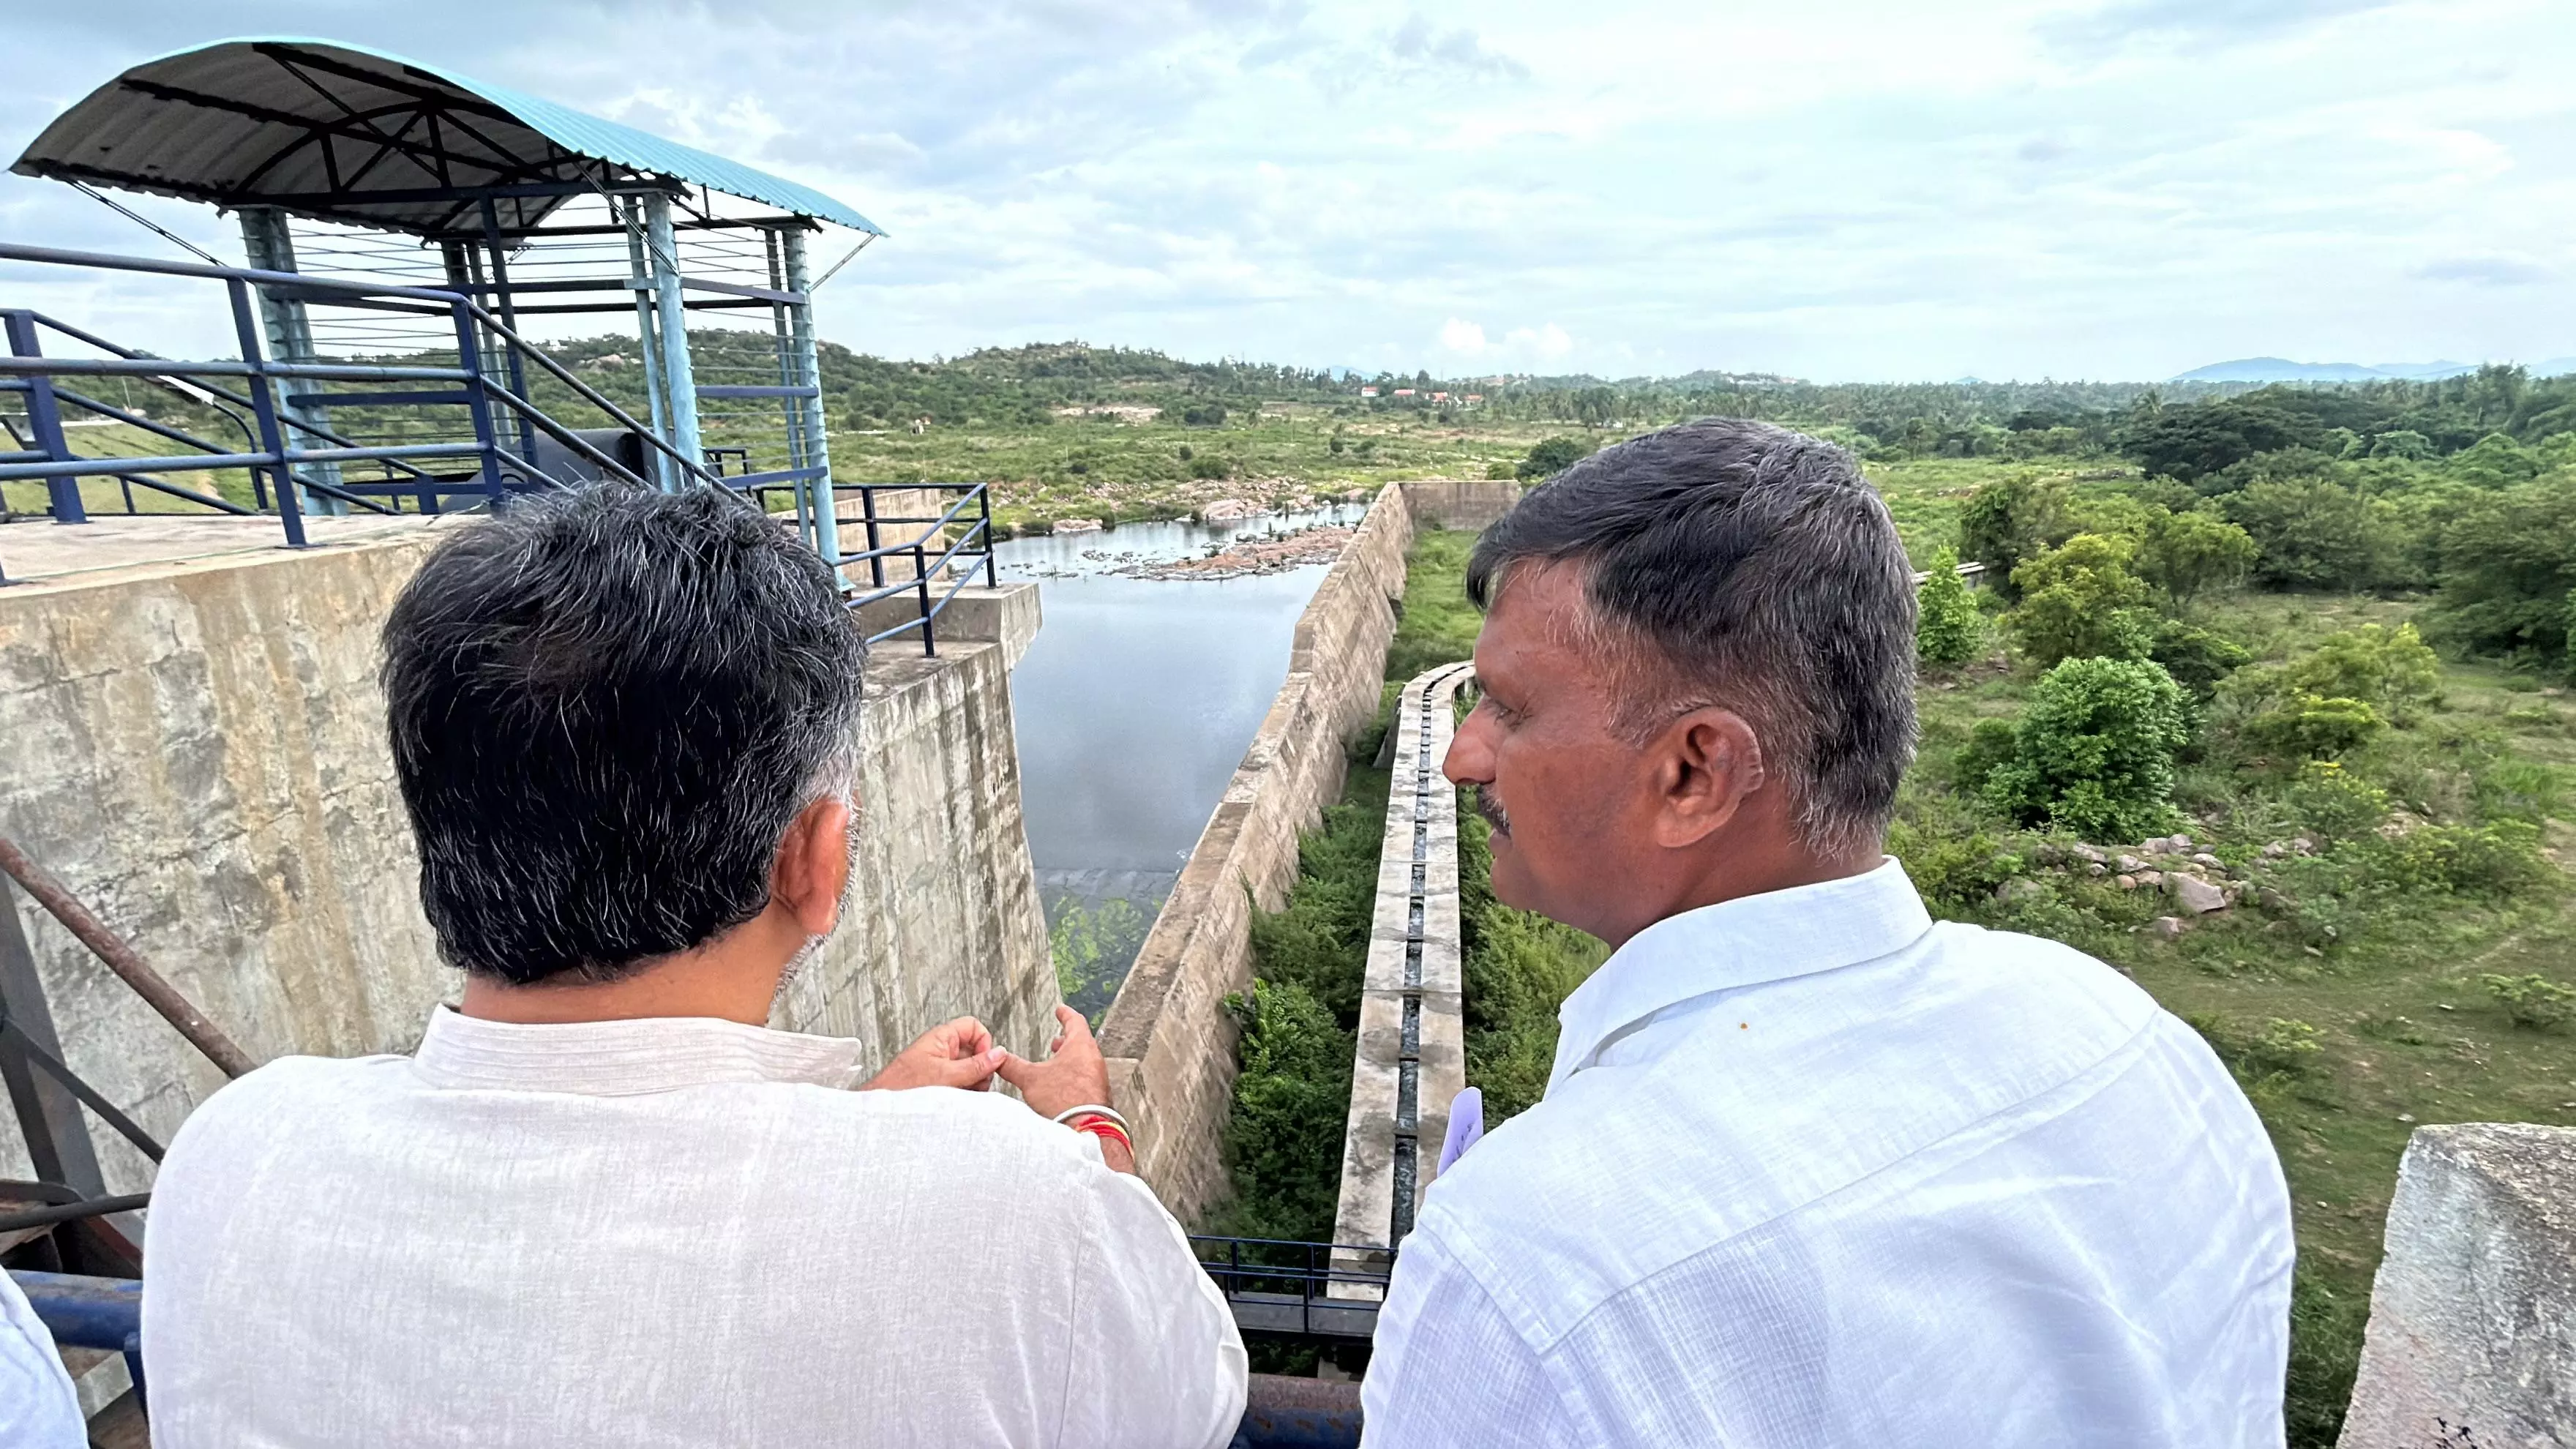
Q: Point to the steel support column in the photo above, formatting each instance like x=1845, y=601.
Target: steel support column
x=809, y=364
x=630, y=215
x=271, y=248
x=679, y=380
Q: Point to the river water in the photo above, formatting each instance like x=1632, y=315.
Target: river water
x=1134, y=706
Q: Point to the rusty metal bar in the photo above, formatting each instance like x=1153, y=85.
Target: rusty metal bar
x=124, y=960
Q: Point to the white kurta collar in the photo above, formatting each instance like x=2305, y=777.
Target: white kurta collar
x=1742, y=942
x=625, y=1058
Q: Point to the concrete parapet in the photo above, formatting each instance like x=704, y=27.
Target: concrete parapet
x=198, y=751
x=1169, y=1041
x=1008, y=616
x=1468, y=503
x=1411, y=1059
x=2472, y=1336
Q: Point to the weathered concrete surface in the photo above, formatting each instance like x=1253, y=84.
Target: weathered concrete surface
x=1468, y=503
x=1171, y=1046
x=198, y=751
x=2473, y=1317
x=1402, y=1082
x=1169, y=1042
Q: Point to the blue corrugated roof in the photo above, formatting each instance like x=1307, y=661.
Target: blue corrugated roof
x=131, y=132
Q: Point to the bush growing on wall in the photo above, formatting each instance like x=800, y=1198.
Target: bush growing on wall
x=2094, y=752
x=1283, y=1143
x=1947, y=628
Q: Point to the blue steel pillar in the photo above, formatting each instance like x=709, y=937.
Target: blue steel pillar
x=640, y=283
x=679, y=381
x=290, y=339
x=809, y=373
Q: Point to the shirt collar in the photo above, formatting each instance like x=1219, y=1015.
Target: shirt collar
x=1742, y=942
x=625, y=1058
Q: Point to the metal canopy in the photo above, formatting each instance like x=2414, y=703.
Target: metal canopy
x=342, y=133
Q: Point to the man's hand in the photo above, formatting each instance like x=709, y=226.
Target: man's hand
x=1073, y=1075
x=957, y=1054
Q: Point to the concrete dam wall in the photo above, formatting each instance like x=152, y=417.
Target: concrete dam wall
x=198, y=751
x=1170, y=1044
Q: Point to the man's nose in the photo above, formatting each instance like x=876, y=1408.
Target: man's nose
x=1471, y=752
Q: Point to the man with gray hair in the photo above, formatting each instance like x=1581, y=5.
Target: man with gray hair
x=603, y=1204
x=1811, y=1169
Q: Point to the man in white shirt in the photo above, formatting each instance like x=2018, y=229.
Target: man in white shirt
x=1811, y=1169
x=604, y=1205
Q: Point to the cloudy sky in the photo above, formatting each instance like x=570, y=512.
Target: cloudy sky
x=1836, y=189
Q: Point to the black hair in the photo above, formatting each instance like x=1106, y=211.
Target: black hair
x=1761, y=572
x=605, y=708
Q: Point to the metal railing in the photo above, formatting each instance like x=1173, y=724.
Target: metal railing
x=1283, y=1288
x=951, y=548
x=292, y=455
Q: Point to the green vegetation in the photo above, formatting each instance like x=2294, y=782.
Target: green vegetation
x=1093, y=942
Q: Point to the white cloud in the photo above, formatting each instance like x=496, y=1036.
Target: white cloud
x=1462, y=336
x=1842, y=189
x=1549, y=343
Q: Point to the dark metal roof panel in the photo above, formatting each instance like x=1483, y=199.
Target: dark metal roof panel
x=231, y=123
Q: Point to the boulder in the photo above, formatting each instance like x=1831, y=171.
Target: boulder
x=1229, y=510
x=2167, y=928
x=2473, y=1316
x=2194, y=894
x=1077, y=525
x=2018, y=889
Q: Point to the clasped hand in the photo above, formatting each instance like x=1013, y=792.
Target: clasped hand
x=961, y=1054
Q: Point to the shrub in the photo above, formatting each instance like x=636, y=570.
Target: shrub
x=2094, y=752
x=2509, y=586
x=2080, y=600
x=2187, y=553
x=2312, y=727
x=1283, y=1142
x=2533, y=1001
x=2315, y=534
x=1947, y=628
x=2197, y=658
x=2331, y=803
x=1203, y=415
x=2011, y=520
x=1990, y=744
x=2392, y=670
x=2495, y=860
x=1551, y=456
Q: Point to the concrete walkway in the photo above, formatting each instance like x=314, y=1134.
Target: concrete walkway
x=1412, y=1059
x=34, y=549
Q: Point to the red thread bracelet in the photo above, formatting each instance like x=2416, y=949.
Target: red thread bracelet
x=1104, y=1129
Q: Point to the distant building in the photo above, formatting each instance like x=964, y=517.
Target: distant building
x=1368, y=392
x=1475, y=397
x=1404, y=392
x=1440, y=397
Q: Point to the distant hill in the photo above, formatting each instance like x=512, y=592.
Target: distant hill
x=2280, y=369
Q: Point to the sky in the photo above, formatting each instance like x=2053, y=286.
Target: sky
x=1837, y=189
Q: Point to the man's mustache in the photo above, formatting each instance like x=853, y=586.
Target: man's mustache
x=1492, y=809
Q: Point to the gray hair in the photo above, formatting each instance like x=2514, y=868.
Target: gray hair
x=1740, y=564
x=605, y=707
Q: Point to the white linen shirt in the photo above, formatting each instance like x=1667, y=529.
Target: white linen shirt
x=661, y=1232
x=1812, y=1170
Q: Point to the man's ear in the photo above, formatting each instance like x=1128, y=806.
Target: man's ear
x=813, y=865
x=1708, y=762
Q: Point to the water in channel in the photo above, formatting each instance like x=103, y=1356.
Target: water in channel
x=1134, y=706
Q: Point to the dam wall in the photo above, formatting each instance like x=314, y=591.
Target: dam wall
x=198, y=751
x=1169, y=1040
